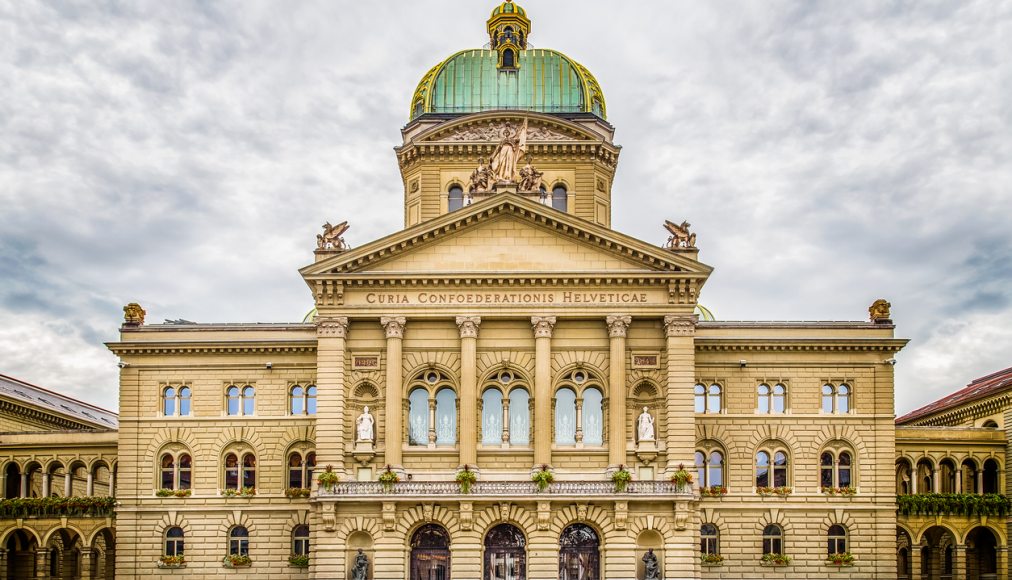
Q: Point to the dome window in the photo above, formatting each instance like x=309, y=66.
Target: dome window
x=509, y=59
x=455, y=198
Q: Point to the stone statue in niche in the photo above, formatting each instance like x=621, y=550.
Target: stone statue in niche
x=364, y=425
x=651, y=567
x=645, y=426
x=361, y=569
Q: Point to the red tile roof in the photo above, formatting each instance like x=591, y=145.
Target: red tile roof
x=978, y=389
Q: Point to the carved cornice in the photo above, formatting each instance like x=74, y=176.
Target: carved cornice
x=468, y=326
x=543, y=326
x=42, y=416
x=394, y=326
x=332, y=327
x=972, y=410
x=618, y=325
x=679, y=326
x=793, y=344
x=245, y=347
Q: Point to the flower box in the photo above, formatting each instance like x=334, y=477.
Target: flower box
x=297, y=492
x=775, y=560
x=236, y=561
x=172, y=562
x=681, y=477
x=844, y=491
x=840, y=560
x=774, y=491
x=164, y=492
x=328, y=479
x=388, y=478
x=298, y=561
x=21, y=507
x=711, y=559
x=621, y=479
x=244, y=492
x=713, y=491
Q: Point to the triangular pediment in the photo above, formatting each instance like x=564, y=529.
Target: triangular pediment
x=506, y=235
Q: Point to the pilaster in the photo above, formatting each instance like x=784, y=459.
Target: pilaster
x=679, y=332
x=618, y=327
x=468, y=326
x=331, y=336
x=543, y=327
x=392, y=440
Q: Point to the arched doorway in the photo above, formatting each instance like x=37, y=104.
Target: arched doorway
x=902, y=554
x=981, y=555
x=430, y=553
x=937, y=554
x=579, y=553
x=505, y=554
x=12, y=487
x=20, y=560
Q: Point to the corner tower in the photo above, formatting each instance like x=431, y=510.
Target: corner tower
x=508, y=117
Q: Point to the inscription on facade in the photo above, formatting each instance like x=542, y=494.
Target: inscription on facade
x=494, y=298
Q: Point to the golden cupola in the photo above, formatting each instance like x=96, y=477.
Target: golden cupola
x=508, y=30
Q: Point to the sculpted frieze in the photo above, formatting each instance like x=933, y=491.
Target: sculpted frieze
x=492, y=132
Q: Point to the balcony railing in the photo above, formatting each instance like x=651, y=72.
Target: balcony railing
x=496, y=489
x=953, y=504
x=57, y=507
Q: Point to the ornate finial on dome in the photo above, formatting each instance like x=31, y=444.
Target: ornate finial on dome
x=508, y=29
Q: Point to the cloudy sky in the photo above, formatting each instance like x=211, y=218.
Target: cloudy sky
x=183, y=155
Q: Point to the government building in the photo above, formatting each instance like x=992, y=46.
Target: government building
x=506, y=389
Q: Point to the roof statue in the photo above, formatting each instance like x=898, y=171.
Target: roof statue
x=879, y=312
x=331, y=238
x=681, y=237
x=133, y=315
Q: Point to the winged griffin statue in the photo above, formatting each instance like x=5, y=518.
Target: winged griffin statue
x=681, y=237
x=331, y=238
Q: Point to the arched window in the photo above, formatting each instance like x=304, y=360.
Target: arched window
x=169, y=398
x=311, y=400
x=174, y=542
x=989, y=424
x=715, y=469
x=300, y=540
x=508, y=59
x=990, y=483
x=709, y=537
x=184, y=401
x=904, y=476
x=520, y=417
x=295, y=473
x=168, y=471
x=713, y=398
x=249, y=470
x=238, y=541
x=446, y=417
x=565, y=417
x=701, y=468
x=763, y=405
x=779, y=398
x=970, y=473
x=430, y=553
x=925, y=476
x=185, y=471
x=579, y=553
x=762, y=469
x=780, y=469
x=837, y=540
x=231, y=471
x=771, y=468
x=491, y=417
x=836, y=399
x=560, y=197
x=700, y=398
x=232, y=405
x=455, y=197
x=240, y=473
x=248, y=400
x=947, y=475
x=418, y=417
x=773, y=540
x=297, y=400
x=505, y=556
x=593, y=417
x=844, y=463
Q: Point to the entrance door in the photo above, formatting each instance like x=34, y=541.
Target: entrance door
x=505, y=557
x=430, y=553
x=579, y=556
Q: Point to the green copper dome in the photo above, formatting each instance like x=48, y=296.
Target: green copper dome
x=509, y=74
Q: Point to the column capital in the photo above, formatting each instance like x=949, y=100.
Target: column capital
x=679, y=326
x=332, y=326
x=618, y=325
x=394, y=326
x=468, y=326
x=543, y=326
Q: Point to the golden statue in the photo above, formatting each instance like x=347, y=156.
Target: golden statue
x=133, y=314
x=879, y=310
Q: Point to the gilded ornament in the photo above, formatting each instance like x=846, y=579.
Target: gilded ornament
x=133, y=314
x=879, y=311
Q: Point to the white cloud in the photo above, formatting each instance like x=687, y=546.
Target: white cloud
x=184, y=156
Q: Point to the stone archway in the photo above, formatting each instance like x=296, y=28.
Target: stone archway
x=937, y=554
x=21, y=546
x=982, y=554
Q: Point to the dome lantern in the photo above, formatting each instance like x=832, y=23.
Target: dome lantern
x=508, y=29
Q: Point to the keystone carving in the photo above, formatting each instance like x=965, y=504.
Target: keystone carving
x=621, y=515
x=544, y=515
x=389, y=516
x=466, y=515
x=329, y=516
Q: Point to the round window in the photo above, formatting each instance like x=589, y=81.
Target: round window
x=505, y=377
x=432, y=377
x=579, y=377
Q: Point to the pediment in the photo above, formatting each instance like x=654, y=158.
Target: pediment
x=507, y=235
x=489, y=129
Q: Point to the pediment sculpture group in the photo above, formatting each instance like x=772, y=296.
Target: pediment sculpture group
x=504, y=164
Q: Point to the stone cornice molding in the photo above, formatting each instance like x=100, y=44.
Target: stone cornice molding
x=245, y=347
x=333, y=327
x=39, y=416
x=679, y=326
x=887, y=346
x=468, y=326
x=393, y=326
x=618, y=325
x=543, y=326
x=971, y=410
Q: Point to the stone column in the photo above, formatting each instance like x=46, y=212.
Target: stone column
x=47, y=480
x=958, y=562
x=959, y=480
x=394, y=327
x=543, y=328
x=331, y=337
x=681, y=353
x=24, y=485
x=112, y=482
x=4, y=571
x=617, y=436
x=915, y=562
x=68, y=484
x=42, y=563
x=936, y=481
x=90, y=489
x=468, y=326
x=86, y=562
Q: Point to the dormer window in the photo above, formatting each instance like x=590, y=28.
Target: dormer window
x=509, y=59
